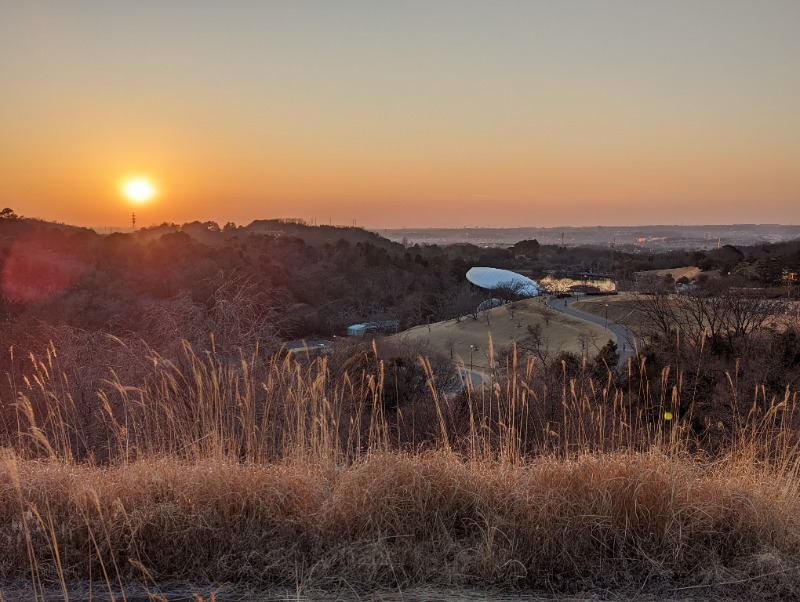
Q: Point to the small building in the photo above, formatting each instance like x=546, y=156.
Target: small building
x=382, y=327
x=356, y=330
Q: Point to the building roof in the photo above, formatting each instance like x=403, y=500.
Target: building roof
x=494, y=278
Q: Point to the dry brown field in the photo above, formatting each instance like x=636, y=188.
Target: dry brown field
x=621, y=308
x=688, y=271
x=563, y=333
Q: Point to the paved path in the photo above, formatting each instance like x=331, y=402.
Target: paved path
x=624, y=337
x=477, y=376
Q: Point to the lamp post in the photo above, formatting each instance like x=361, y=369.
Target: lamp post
x=472, y=349
x=606, y=316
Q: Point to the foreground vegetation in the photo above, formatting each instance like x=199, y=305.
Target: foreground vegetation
x=305, y=474
x=153, y=432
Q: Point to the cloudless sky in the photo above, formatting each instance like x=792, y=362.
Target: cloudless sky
x=403, y=113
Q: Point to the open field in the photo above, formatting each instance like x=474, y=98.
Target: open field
x=563, y=333
x=621, y=308
x=689, y=271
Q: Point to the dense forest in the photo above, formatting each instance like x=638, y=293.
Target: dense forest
x=295, y=286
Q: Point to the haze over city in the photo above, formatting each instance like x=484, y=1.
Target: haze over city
x=402, y=114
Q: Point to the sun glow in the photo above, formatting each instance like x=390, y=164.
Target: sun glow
x=139, y=190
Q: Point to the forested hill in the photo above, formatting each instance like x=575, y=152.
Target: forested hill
x=319, y=235
x=276, y=280
x=169, y=283
x=316, y=236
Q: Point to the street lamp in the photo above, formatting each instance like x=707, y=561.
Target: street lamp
x=606, y=316
x=472, y=349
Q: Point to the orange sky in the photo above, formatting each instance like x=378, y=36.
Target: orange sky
x=515, y=113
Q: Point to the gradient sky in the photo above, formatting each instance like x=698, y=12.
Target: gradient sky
x=403, y=113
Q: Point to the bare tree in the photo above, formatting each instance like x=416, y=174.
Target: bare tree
x=585, y=339
x=657, y=316
x=746, y=312
x=535, y=343
x=511, y=308
x=547, y=314
x=720, y=311
x=241, y=315
x=450, y=343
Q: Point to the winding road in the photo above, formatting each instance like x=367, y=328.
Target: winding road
x=624, y=337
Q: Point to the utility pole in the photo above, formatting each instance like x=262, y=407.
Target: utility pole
x=613, y=244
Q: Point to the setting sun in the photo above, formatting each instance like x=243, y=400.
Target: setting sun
x=139, y=190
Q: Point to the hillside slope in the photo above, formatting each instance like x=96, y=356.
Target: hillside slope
x=453, y=338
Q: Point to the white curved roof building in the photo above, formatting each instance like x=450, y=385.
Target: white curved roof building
x=493, y=278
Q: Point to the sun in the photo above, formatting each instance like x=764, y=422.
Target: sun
x=139, y=190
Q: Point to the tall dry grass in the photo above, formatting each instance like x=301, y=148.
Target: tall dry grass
x=277, y=472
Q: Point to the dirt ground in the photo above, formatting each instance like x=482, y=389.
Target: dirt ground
x=453, y=338
x=621, y=308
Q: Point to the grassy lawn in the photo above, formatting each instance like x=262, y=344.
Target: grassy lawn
x=562, y=332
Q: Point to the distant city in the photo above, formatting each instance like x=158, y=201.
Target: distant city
x=655, y=238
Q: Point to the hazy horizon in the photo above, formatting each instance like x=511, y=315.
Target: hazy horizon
x=520, y=226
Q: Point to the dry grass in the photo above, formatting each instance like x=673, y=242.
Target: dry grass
x=622, y=308
x=616, y=521
x=561, y=332
x=279, y=474
x=690, y=272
